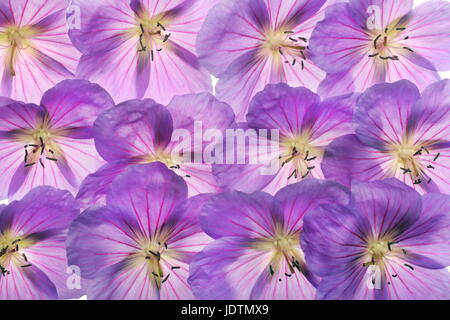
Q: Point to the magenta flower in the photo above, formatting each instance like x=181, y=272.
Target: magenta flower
x=365, y=42
x=142, y=131
x=35, y=48
x=256, y=253
x=140, y=244
x=399, y=134
x=33, y=231
x=50, y=144
x=389, y=243
x=306, y=126
x=138, y=49
x=248, y=44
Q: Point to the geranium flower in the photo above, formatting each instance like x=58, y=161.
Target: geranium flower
x=138, y=49
x=256, y=253
x=400, y=134
x=306, y=126
x=365, y=42
x=35, y=48
x=389, y=243
x=33, y=231
x=50, y=144
x=248, y=44
x=142, y=131
x=140, y=244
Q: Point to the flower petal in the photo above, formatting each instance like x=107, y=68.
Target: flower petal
x=27, y=284
x=75, y=104
x=95, y=186
x=298, y=199
x=427, y=240
x=240, y=215
x=427, y=31
x=390, y=206
x=100, y=238
x=133, y=129
x=227, y=269
x=382, y=113
x=152, y=197
x=281, y=107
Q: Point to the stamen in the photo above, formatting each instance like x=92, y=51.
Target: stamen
x=165, y=279
x=161, y=26
x=409, y=49
x=175, y=268
x=437, y=156
x=376, y=40
x=409, y=266
x=406, y=170
x=400, y=29
x=26, y=266
x=271, y=270
x=166, y=37
x=373, y=55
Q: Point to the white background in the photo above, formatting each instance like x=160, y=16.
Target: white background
x=443, y=75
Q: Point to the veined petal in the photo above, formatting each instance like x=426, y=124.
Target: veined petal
x=426, y=242
x=100, y=238
x=227, y=269
x=123, y=281
x=231, y=30
x=241, y=215
x=390, y=206
x=28, y=284
x=428, y=35
x=382, y=113
x=133, y=129
x=74, y=105
x=95, y=186
x=298, y=199
x=151, y=198
x=282, y=107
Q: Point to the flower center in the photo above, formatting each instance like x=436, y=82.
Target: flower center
x=152, y=254
x=385, y=43
x=11, y=247
x=152, y=34
x=15, y=39
x=300, y=153
x=285, y=46
x=40, y=148
x=410, y=158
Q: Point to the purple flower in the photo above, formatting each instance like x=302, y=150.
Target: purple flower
x=365, y=42
x=251, y=43
x=140, y=244
x=256, y=253
x=399, y=133
x=138, y=49
x=33, y=231
x=50, y=144
x=306, y=126
x=142, y=131
x=35, y=48
x=389, y=243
